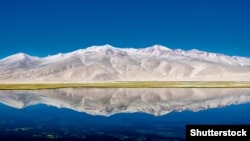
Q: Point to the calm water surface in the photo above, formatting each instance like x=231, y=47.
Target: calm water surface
x=125, y=114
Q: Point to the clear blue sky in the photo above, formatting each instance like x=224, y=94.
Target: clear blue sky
x=46, y=27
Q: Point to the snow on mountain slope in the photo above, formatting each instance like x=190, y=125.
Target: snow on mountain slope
x=20, y=57
x=18, y=62
x=104, y=63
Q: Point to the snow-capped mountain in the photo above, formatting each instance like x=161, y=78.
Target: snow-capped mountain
x=107, y=102
x=108, y=63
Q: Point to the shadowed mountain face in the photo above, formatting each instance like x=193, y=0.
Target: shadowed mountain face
x=104, y=63
x=107, y=102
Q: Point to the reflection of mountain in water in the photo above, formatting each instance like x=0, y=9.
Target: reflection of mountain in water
x=127, y=100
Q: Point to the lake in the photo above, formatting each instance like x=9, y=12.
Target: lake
x=127, y=114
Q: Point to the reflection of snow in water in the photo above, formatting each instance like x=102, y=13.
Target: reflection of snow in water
x=108, y=101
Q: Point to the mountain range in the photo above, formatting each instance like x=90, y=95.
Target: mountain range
x=106, y=102
x=108, y=63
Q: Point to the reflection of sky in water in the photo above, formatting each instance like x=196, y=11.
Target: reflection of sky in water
x=48, y=122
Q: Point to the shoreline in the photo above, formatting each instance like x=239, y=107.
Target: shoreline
x=123, y=84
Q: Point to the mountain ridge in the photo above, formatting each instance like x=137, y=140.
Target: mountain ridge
x=103, y=63
x=108, y=46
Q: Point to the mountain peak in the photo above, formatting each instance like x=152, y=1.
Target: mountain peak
x=108, y=46
x=160, y=47
x=155, y=50
x=100, y=47
x=19, y=60
x=17, y=56
x=21, y=54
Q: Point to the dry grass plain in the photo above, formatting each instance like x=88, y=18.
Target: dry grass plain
x=127, y=84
